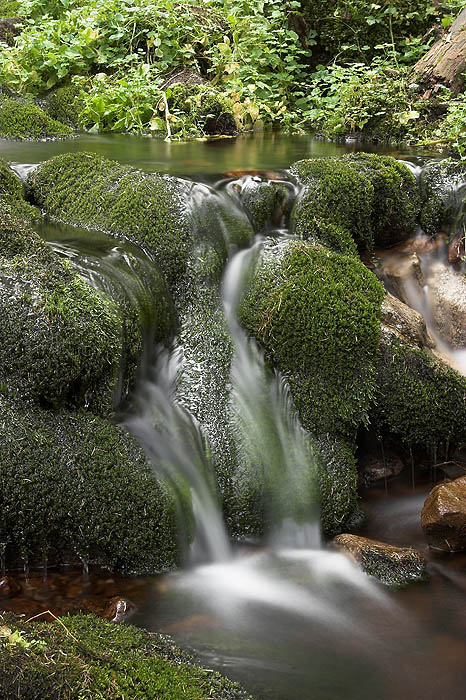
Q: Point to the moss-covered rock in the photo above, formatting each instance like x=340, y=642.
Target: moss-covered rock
x=12, y=202
x=64, y=105
x=394, y=566
x=265, y=201
x=316, y=314
x=21, y=120
x=60, y=340
x=396, y=201
x=205, y=106
x=420, y=400
x=371, y=199
x=74, y=485
x=88, y=657
x=442, y=192
x=152, y=210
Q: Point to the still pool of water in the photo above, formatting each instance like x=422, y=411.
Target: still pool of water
x=263, y=152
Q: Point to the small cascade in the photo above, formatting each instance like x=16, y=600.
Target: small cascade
x=174, y=444
x=275, y=448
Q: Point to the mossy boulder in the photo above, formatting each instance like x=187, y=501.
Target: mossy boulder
x=265, y=201
x=88, y=657
x=64, y=105
x=443, y=195
x=10, y=27
x=396, y=201
x=316, y=314
x=371, y=199
x=75, y=485
x=12, y=202
x=152, y=210
x=60, y=340
x=205, y=106
x=22, y=120
x=394, y=566
x=334, y=193
x=420, y=400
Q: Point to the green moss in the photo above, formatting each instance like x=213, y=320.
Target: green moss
x=92, y=658
x=12, y=203
x=87, y=190
x=338, y=484
x=396, y=201
x=419, y=400
x=205, y=107
x=442, y=198
x=60, y=340
x=64, y=105
x=317, y=315
x=20, y=120
x=334, y=192
x=74, y=485
x=370, y=198
x=264, y=201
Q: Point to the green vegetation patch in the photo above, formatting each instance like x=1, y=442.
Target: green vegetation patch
x=152, y=210
x=419, y=400
x=90, y=658
x=75, y=485
x=21, y=120
x=210, y=111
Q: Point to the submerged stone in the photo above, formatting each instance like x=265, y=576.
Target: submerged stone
x=394, y=566
x=86, y=656
x=444, y=516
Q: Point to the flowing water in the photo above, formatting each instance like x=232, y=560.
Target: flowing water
x=286, y=616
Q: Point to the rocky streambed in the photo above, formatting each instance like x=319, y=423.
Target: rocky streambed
x=100, y=264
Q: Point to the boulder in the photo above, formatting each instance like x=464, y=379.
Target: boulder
x=443, y=517
x=22, y=120
x=77, y=487
x=404, y=322
x=394, y=566
x=373, y=467
x=447, y=303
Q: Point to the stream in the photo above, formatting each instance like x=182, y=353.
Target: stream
x=288, y=617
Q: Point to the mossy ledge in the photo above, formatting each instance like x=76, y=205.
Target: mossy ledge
x=87, y=190
x=22, y=120
x=12, y=202
x=76, y=486
x=363, y=199
x=316, y=314
x=96, y=659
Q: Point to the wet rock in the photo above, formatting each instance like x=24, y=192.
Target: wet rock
x=373, y=468
x=118, y=608
x=404, y=322
x=444, y=516
x=394, y=566
x=9, y=587
x=265, y=202
x=457, y=249
x=447, y=297
x=404, y=276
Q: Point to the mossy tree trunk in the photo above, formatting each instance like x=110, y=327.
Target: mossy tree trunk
x=445, y=63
